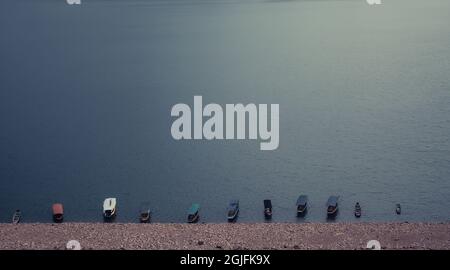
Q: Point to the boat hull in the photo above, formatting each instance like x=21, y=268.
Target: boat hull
x=233, y=217
x=332, y=212
x=17, y=217
x=301, y=211
x=109, y=216
x=145, y=218
x=16, y=220
x=193, y=218
x=58, y=219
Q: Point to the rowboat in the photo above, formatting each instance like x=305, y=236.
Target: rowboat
x=109, y=208
x=193, y=213
x=144, y=213
x=16, y=217
x=233, y=210
x=358, y=210
x=332, y=206
x=268, y=209
x=302, y=205
x=58, y=212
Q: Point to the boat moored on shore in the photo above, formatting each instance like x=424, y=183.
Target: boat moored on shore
x=17, y=216
x=58, y=212
x=233, y=210
x=302, y=205
x=358, y=210
x=109, y=208
x=194, y=213
x=268, y=209
x=332, y=206
x=145, y=213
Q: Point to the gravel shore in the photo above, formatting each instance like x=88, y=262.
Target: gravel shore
x=226, y=236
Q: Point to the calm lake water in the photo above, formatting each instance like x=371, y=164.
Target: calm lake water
x=86, y=93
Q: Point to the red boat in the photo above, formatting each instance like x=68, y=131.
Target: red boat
x=58, y=212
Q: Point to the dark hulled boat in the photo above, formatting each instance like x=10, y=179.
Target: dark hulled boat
x=358, y=210
x=193, y=213
x=332, y=206
x=233, y=210
x=58, y=212
x=268, y=209
x=145, y=213
x=302, y=205
x=16, y=217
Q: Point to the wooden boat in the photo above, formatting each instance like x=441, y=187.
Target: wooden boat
x=332, y=206
x=233, y=210
x=58, y=212
x=144, y=213
x=398, y=209
x=268, y=209
x=358, y=210
x=193, y=213
x=109, y=208
x=302, y=205
x=16, y=217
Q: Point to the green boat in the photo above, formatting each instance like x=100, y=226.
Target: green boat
x=193, y=213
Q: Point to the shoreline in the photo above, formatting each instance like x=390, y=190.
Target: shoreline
x=228, y=236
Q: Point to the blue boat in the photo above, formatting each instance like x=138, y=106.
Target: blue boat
x=233, y=210
x=193, y=213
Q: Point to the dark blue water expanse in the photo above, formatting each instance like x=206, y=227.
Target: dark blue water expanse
x=86, y=93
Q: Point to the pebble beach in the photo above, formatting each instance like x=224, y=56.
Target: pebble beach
x=229, y=236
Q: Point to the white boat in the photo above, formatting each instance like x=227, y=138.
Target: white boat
x=109, y=208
